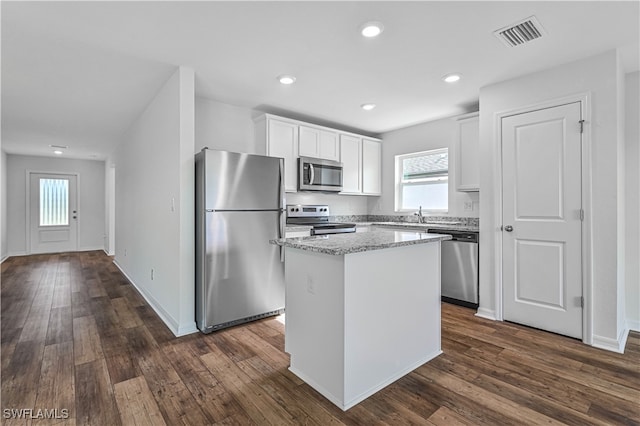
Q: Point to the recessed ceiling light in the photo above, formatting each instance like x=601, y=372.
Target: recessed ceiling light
x=451, y=78
x=286, y=79
x=368, y=107
x=371, y=29
x=57, y=152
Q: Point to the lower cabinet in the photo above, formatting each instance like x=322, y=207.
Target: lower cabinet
x=294, y=234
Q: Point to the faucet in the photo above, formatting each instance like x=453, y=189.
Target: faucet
x=419, y=214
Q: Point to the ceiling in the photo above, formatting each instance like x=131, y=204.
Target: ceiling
x=78, y=73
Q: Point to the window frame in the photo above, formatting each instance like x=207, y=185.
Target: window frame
x=42, y=209
x=400, y=184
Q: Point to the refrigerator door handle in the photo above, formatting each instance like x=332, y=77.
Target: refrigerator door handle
x=282, y=233
x=281, y=200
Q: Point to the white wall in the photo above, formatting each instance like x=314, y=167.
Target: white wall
x=225, y=127
x=90, y=202
x=3, y=207
x=632, y=197
x=598, y=75
x=422, y=137
x=154, y=205
x=231, y=128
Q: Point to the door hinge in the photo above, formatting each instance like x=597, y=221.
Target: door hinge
x=581, y=126
x=582, y=215
x=582, y=301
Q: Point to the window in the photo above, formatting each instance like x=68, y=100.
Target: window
x=54, y=202
x=422, y=179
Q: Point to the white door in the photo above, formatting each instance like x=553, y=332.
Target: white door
x=53, y=213
x=542, y=235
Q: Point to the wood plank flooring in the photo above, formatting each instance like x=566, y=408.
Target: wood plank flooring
x=77, y=336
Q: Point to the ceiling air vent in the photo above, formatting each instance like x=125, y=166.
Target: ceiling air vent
x=521, y=32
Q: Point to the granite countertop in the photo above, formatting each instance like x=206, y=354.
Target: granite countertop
x=293, y=228
x=341, y=244
x=435, y=225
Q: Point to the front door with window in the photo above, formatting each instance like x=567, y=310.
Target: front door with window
x=53, y=213
x=542, y=201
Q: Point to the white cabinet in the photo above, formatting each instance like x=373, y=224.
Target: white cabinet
x=297, y=233
x=351, y=158
x=371, y=161
x=467, y=152
x=289, y=139
x=281, y=138
x=318, y=143
x=361, y=160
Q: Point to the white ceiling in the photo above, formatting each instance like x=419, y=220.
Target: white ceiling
x=79, y=73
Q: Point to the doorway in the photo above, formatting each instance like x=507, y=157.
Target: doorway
x=53, y=212
x=542, y=237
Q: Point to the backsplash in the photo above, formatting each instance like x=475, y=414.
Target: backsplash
x=465, y=221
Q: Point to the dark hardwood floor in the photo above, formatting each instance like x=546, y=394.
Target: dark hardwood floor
x=77, y=336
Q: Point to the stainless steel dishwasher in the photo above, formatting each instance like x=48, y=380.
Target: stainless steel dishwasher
x=459, y=264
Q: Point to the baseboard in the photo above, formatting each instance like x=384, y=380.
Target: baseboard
x=91, y=248
x=485, y=313
x=633, y=325
x=177, y=329
x=613, y=345
x=4, y=258
x=183, y=330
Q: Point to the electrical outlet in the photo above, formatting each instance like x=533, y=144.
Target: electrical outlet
x=468, y=206
x=311, y=286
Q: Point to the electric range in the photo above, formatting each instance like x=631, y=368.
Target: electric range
x=316, y=216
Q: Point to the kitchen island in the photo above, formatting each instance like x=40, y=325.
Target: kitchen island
x=362, y=309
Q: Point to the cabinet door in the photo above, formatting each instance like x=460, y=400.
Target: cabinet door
x=351, y=157
x=371, y=165
x=309, y=142
x=467, y=151
x=282, y=141
x=329, y=145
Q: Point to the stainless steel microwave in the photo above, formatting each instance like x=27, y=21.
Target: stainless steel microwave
x=316, y=174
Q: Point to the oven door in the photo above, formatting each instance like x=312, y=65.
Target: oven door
x=315, y=174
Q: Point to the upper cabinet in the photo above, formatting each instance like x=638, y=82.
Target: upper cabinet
x=289, y=139
x=281, y=138
x=351, y=158
x=371, y=169
x=362, y=162
x=318, y=143
x=467, y=151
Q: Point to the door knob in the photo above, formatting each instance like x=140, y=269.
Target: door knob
x=508, y=228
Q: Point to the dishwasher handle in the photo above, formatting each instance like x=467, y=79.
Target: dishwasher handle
x=467, y=237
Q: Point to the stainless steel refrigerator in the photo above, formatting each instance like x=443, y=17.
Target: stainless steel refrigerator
x=240, y=206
